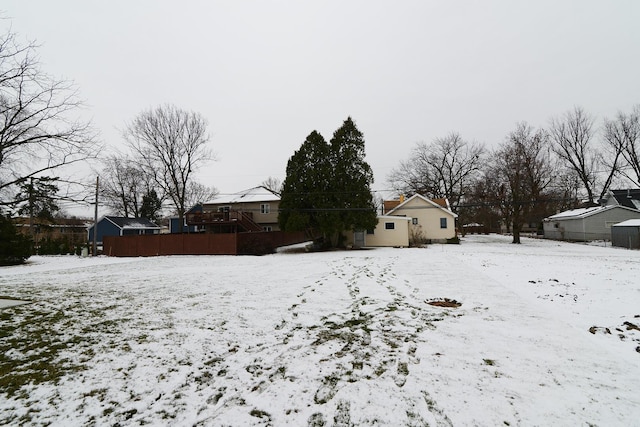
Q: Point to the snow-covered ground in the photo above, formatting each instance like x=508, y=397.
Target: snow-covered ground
x=546, y=334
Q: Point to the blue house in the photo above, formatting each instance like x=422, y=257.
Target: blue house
x=121, y=226
x=174, y=222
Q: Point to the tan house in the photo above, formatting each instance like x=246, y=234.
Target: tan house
x=255, y=209
x=415, y=220
x=391, y=231
x=431, y=220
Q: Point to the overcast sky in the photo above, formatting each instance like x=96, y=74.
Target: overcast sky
x=267, y=73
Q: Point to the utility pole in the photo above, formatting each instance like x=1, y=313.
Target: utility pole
x=31, y=229
x=95, y=220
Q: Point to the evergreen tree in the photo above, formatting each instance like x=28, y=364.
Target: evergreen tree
x=351, y=181
x=37, y=198
x=151, y=206
x=15, y=248
x=327, y=188
x=304, y=200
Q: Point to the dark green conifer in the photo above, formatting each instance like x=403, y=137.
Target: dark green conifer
x=327, y=188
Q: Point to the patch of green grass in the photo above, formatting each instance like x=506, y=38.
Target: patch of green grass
x=260, y=414
x=403, y=368
x=33, y=344
x=100, y=393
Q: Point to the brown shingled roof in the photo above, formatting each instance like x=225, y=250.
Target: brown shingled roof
x=390, y=204
x=442, y=202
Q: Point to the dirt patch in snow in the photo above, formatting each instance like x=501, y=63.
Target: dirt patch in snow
x=444, y=302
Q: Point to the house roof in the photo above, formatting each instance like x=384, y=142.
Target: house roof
x=390, y=204
x=628, y=223
x=442, y=201
x=629, y=198
x=131, y=223
x=425, y=200
x=585, y=212
x=255, y=194
x=56, y=222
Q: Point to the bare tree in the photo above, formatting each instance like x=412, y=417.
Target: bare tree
x=171, y=144
x=572, y=140
x=198, y=193
x=272, y=184
x=445, y=168
x=123, y=185
x=623, y=138
x=524, y=171
x=38, y=131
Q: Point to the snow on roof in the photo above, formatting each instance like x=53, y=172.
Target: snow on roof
x=628, y=223
x=132, y=223
x=255, y=194
x=577, y=213
x=585, y=212
x=627, y=197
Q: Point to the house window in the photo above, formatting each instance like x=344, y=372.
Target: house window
x=265, y=208
x=370, y=231
x=414, y=221
x=443, y=222
x=267, y=228
x=389, y=226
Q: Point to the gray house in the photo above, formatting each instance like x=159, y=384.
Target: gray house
x=587, y=224
x=626, y=234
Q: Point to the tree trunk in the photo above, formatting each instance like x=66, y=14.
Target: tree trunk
x=516, y=232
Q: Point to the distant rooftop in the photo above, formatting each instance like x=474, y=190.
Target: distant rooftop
x=255, y=194
x=129, y=223
x=628, y=223
x=581, y=212
x=629, y=198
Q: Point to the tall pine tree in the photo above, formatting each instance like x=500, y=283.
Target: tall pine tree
x=351, y=181
x=304, y=199
x=327, y=188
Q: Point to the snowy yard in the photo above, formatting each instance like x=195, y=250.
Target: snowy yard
x=546, y=334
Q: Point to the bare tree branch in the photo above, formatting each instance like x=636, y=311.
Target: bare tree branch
x=523, y=170
x=445, y=168
x=572, y=137
x=623, y=138
x=171, y=144
x=38, y=133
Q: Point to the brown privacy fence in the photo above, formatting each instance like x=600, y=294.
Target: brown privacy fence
x=254, y=243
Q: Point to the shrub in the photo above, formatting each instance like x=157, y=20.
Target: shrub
x=14, y=247
x=454, y=240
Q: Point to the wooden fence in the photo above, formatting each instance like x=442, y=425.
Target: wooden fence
x=254, y=243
